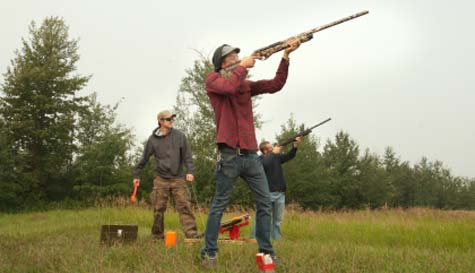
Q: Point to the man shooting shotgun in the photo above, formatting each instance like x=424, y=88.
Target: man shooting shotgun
x=230, y=94
x=272, y=159
x=265, y=52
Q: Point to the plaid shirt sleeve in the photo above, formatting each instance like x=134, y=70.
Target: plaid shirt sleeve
x=274, y=85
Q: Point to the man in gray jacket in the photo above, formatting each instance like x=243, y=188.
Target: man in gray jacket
x=171, y=151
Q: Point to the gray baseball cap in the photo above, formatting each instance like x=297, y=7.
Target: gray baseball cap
x=220, y=52
x=228, y=49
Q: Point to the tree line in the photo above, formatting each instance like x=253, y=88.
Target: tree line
x=60, y=147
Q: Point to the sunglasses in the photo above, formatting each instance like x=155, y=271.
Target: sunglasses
x=169, y=119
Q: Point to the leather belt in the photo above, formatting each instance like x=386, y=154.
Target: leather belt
x=226, y=149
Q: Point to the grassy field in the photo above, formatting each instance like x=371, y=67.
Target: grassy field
x=415, y=240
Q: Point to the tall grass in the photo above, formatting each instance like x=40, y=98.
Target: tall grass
x=415, y=240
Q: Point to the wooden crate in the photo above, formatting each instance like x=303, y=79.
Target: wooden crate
x=111, y=234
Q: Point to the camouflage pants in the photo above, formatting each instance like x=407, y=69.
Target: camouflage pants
x=162, y=189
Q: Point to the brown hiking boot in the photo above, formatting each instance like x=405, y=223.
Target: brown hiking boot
x=157, y=238
x=196, y=236
x=209, y=262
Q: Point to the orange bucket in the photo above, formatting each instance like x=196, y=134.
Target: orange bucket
x=170, y=238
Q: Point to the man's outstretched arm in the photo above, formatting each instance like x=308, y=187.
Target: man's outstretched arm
x=276, y=84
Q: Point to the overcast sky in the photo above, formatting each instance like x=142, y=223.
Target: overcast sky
x=401, y=76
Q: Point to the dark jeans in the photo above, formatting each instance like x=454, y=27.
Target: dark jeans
x=228, y=169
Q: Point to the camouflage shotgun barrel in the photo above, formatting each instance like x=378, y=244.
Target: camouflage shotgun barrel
x=267, y=51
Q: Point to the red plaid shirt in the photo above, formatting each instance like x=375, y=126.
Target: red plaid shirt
x=232, y=104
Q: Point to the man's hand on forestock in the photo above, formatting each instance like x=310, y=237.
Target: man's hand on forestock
x=297, y=141
x=293, y=45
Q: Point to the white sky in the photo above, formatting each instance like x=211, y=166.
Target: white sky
x=401, y=76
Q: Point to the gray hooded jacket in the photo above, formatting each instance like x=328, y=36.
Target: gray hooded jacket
x=171, y=152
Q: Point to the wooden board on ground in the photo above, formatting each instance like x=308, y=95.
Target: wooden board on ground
x=111, y=234
x=190, y=240
x=239, y=241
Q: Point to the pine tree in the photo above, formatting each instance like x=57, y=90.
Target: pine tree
x=103, y=163
x=39, y=103
x=341, y=160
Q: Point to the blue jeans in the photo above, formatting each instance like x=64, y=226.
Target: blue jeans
x=277, y=215
x=228, y=169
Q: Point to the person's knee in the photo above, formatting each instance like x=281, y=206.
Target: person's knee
x=220, y=202
x=263, y=210
x=279, y=216
x=183, y=207
x=264, y=203
x=182, y=204
x=160, y=207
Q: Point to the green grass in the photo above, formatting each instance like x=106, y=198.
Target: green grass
x=416, y=240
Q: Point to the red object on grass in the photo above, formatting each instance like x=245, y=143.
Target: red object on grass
x=265, y=263
x=233, y=226
x=133, y=198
